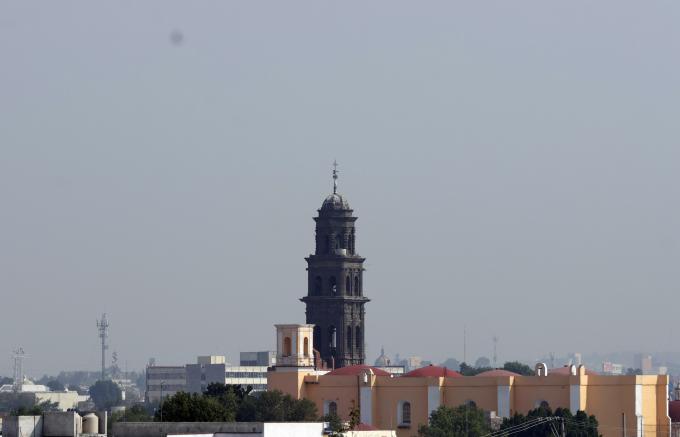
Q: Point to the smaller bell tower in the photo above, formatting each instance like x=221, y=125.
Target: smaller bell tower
x=294, y=345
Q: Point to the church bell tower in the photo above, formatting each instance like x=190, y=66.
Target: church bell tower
x=335, y=299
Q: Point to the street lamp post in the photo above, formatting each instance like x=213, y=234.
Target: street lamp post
x=161, y=406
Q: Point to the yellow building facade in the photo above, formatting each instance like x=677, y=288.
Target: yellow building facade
x=636, y=404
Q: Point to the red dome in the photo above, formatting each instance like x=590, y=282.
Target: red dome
x=433, y=371
x=674, y=411
x=357, y=369
x=564, y=370
x=498, y=372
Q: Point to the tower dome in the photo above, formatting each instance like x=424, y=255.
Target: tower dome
x=383, y=360
x=335, y=202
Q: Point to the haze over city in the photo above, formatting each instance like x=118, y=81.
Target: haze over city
x=513, y=173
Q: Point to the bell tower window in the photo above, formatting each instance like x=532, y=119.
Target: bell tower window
x=318, y=285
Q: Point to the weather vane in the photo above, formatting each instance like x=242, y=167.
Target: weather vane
x=335, y=177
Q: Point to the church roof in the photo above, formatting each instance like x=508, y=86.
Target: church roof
x=357, y=369
x=335, y=202
x=432, y=371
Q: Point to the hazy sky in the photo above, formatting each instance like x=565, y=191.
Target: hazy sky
x=513, y=164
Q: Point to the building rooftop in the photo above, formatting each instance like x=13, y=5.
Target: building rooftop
x=357, y=370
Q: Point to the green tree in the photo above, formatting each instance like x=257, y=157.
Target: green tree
x=274, y=406
x=105, y=394
x=5, y=380
x=517, y=367
x=354, y=417
x=451, y=363
x=467, y=370
x=185, y=407
x=55, y=385
x=35, y=410
x=302, y=410
x=462, y=421
x=546, y=423
x=335, y=425
x=230, y=396
x=136, y=413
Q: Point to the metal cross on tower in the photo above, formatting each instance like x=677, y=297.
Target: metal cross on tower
x=335, y=177
x=103, y=327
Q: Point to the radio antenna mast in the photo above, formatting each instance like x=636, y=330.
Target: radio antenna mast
x=103, y=327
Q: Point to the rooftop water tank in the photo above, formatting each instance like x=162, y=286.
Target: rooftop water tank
x=90, y=424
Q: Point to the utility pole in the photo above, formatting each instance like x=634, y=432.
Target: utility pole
x=623, y=420
x=465, y=344
x=18, y=357
x=161, y=404
x=103, y=327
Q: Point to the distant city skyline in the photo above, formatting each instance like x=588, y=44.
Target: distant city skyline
x=513, y=168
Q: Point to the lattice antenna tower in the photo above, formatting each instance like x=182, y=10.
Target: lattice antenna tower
x=103, y=327
x=495, y=351
x=18, y=357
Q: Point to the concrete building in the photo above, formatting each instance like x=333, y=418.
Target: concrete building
x=31, y=394
x=254, y=376
x=195, y=378
x=263, y=358
x=163, y=381
x=207, y=370
x=55, y=424
x=644, y=363
x=609, y=368
x=384, y=400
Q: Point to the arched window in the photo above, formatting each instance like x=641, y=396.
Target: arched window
x=357, y=338
x=348, y=286
x=406, y=413
x=332, y=409
x=318, y=285
x=349, y=337
x=332, y=336
x=305, y=346
x=333, y=285
x=338, y=241
x=351, y=242
x=356, y=286
x=287, y=347
x=328, y=244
